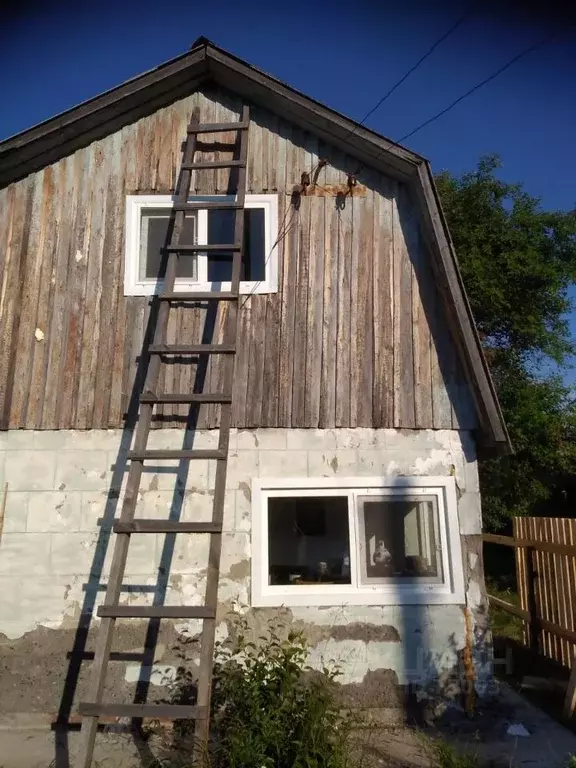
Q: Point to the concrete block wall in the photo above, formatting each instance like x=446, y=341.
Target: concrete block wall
x=66, y=487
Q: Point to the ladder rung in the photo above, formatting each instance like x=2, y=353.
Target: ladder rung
x=199, y=296
x=184, y=398
x=229, y=206
x=166, y=526
x=216, y=164
x=217, y=127
x=193, y=248
x=177, y=454
x=158, y=711
x=156, y=612
x=192, y=349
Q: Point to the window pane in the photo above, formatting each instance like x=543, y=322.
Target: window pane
x=399, y=539
x=153, y=232
x=221, y=230
x=308, y=540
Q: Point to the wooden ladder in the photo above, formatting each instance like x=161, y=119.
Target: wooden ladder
x=127, y=523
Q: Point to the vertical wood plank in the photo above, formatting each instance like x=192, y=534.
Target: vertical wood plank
x=39, y=350
x=421, y=282
x=255, y=393
x=570, y=537
x=57, y=325
x=520, y=561
x=6, y=206
x=224, y=115
x=569, y=565
x=30, y=288
x=77, y=293
x=11, y=298
x=563, y=589
x=273, y=339
x=91, y=325
x=327, y=415
x=265, y=152
x=287, y=304
x=276, y=169
x=383, y=302
x=301, y=316
x=404, y=415
x=110, y=278
x=549, y=586
x=7, y=262
x=255, y=163
x=343, y=363
x=74, y=287
x=541, y=587
x=556, y=590
x=441, y=405
x=241, y=364
x=315, y=313
x=117, y=404
x=362, y=338
x=219, y=373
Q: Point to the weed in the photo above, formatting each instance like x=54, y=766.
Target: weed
x=505, y=624
x=444, y=755
x=270, y=710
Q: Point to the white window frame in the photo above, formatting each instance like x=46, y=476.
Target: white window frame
x=135, y=286
x=450, y=591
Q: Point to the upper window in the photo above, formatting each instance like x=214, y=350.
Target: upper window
x=147, y=220
x=359, y=541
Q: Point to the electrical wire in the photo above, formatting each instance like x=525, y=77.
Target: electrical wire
x=420, y=61
x=494, y=75
x=412, y=69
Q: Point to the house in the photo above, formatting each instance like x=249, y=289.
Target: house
x=361, y=396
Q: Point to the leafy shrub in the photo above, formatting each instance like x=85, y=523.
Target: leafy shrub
x=271, y=710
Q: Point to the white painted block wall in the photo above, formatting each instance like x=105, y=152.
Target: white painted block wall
x=53, y=537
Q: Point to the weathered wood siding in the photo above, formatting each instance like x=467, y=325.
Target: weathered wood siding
x=354, y=337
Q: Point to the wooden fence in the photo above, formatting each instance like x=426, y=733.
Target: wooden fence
x=545, y=555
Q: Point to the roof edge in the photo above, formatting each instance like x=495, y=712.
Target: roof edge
x=464, y=330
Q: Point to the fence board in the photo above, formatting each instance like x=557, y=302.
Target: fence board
x=555, y=581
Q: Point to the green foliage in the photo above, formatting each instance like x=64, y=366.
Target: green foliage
x=516, y=259
x=272, y=711
x=443, y=755
x=518, y=262
x=504, y=624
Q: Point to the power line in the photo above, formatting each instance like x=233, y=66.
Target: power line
x=498, y=72
x=412, y=69
x=420, y=61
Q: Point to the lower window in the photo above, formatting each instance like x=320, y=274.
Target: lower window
x=360, y=541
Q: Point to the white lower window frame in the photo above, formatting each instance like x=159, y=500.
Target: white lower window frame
x=134, y=286
x=450, y=591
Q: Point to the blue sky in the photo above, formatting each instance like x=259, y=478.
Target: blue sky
x=347, y=55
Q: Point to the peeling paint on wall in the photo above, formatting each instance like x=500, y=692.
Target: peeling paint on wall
x=56, y=553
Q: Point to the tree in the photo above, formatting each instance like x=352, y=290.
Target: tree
x=518, y=262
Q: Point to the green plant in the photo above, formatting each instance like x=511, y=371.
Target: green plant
x=572, y=762
x=271, y=710
x=505, y=624
x=444, y=755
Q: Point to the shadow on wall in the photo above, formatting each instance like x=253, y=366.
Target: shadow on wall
x=96, y=583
